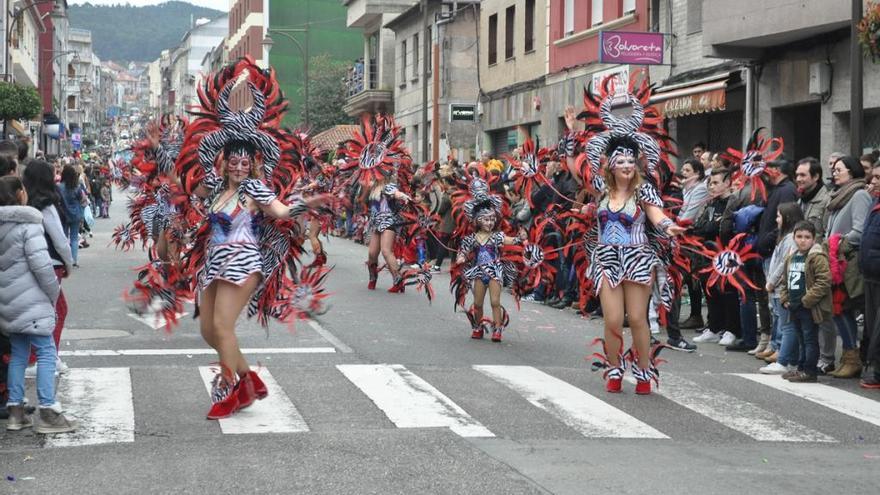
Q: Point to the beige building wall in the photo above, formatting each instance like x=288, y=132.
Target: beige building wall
x=522, y=66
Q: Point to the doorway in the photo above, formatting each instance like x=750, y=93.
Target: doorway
x=798, y=126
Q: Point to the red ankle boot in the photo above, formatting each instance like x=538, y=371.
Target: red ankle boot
x=259, y=387
x=373, y=268
x=398, y=287
x=245, y=392
x=477, y=333
x=320, y=260
x=643, y=380
x=225, y=397
x=496, y=335
x=614, y=380
x=643, y=388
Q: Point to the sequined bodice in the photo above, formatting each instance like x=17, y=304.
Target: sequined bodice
x=624, y=227
x=231, y=224
x=486, y=253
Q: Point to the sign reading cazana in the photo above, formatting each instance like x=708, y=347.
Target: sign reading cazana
x=617, y=47
x=462, y=112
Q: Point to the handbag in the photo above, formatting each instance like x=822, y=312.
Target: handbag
x=88, y=217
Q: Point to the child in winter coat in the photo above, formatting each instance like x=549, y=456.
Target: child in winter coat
x=806, y=294
x=28, y=291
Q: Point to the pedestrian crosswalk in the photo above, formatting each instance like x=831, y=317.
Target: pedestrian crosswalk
x=762, y=408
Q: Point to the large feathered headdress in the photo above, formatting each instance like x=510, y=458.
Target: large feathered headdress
x=376, y=152
x=639, y=133
x=751, y=165
x=256, y=131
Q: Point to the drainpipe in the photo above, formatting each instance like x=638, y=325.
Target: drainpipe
x=748, y=73
x=855, y=88
x=426, y=60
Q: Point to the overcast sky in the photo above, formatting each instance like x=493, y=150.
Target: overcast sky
x=214, y=4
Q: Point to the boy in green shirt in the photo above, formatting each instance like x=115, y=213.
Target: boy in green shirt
x=807, y=296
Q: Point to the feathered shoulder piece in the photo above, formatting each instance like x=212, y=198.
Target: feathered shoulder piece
x=375, y=152
x=216, y=127
x=530, y=167
x=641, y=132
x=751, y=165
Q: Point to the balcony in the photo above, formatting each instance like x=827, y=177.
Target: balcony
x=363, y=94
x=746, y=28
x=24, y=68
x=362, y=13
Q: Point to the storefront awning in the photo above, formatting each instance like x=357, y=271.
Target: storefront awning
x=691, y=100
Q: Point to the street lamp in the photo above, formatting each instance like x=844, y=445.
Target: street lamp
x=268, y=42
x=57, y=13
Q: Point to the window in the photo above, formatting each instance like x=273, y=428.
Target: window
x=415, y=71
x=529, y=44
x=568, y=17
x=403, y=62
x=629, y=6
x=493, y=39
x=509, y=19
x=596, y=12
x=694, y=16
x=416, y=141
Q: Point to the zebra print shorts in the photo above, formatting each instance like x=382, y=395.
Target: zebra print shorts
x=616, y=264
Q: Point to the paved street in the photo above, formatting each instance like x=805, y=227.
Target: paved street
x=388, y=394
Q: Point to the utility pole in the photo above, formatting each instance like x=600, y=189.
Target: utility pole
x=855, y=83
x=426, y=49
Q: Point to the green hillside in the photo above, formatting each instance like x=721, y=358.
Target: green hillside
x=136, y=34
x=327, y=35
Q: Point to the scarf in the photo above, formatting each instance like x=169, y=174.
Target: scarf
x=841, y=196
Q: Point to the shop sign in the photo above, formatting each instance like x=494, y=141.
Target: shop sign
x=618, y=47
x=462, y=113
x=708, y=101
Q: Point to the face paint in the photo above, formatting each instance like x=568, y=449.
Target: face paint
x=486, y=220
x=622, y=158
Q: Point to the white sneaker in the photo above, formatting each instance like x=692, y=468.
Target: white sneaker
x=60, y=367
x=707, y=336
x=727, y=338
x=774, y=369
x=30, y=371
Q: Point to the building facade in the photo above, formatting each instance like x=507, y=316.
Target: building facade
x=798, y=55
x=451, y=34
x=370, y=89
x=513, y=59
x=185, y=65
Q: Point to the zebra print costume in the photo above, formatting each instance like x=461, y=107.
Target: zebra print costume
x=622, y=252
x=384, y=211
x=487, y=263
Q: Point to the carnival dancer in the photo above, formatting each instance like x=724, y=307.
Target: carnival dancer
x=246, y=248
x=381, y=165
x=625, y=166
x=483, y=263
x=317, y=180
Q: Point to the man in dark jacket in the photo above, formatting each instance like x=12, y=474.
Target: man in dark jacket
x=781, y=190
x=869, y=265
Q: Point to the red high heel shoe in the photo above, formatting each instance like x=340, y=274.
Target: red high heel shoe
x=477, y=333
x=496, y=335
x=643, y=380
x=259, y=387
x=373, y=268
x=643, y=388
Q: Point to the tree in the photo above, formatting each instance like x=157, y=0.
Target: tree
x=19, y=102
x=326, y=94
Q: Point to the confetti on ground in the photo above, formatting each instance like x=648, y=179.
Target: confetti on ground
x=765, y=461
x=546, y=327
x=28, y=458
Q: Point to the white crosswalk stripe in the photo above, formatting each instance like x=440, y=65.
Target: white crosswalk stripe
x=100, y=400
x=841, y=401
x=585, y=413
x=274, y=414
x=409, y=401
x=734, y=413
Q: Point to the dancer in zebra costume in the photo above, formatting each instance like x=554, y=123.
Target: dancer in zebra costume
x=481, y=264
x=246, y=248
x=625, y=168
x=382, y=167
x=317, y=180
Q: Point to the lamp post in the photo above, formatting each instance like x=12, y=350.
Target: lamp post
x=286, y=32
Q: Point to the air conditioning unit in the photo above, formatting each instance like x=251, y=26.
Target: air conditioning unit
x=820, y=79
